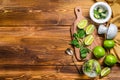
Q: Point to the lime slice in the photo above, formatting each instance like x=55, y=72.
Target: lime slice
x=97, y=68
x=88, y=40
x=90, y=29
x=82, y=24
x=105, y=71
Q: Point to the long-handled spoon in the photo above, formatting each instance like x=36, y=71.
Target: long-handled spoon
x=70, y=52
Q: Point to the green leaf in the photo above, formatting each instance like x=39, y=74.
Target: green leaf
x=77, y=46
x=89, y=66
x=75, y=43
x=83, y=55
x=81, y=33
x=83, y=52
x=96, y=12
x=75, y=35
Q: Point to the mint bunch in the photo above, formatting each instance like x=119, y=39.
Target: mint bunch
x=78, y=42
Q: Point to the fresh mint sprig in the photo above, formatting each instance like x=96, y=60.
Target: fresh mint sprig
x=78, y=42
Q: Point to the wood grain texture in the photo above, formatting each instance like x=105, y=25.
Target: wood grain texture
x=34, y=35
x=28, y=72
x=29, y=45
x=40, y=12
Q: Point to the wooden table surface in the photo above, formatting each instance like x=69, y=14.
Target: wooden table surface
x=34, y=35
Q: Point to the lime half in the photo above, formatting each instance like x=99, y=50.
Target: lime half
x=105, y=71
x=90, y=29
x=82, y=24
x=88, y=40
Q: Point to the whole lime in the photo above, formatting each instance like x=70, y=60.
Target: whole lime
x=110, y=60
x=109, y=43
x=99, y=51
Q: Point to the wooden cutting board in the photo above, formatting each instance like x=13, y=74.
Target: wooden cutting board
x=97, y=39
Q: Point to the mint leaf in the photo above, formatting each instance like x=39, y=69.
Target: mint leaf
x=75, y=43
x=81, y=33
x=83, y=55
x=77, y=46
x=83, y=52
x=88, y=67
x=75, y=35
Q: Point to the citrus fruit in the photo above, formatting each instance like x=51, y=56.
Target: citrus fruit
x=105, y=71
x=82, y=24
x=110, y=60
x=90, y=29
x=97, y=68
x=88, y=40
x=99, y=51
x=109, y=43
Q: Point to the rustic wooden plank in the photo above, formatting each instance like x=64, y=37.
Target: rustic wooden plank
x=34, y=45
x=39, y=72
x=18, y=35
x=14, y=55
x=42, y=12
x=17, y=72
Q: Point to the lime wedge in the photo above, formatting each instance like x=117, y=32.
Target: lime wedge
x=82, y=24
x=105, y=71
x=88, y=40
x=90, y=29
x=97, y=68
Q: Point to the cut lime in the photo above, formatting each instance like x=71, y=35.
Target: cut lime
x=98, y=68
x=82, y=24
x=105, y=71
x=90, y=29
x=88, y=40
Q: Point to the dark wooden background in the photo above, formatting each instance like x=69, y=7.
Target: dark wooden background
x=34, y=35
